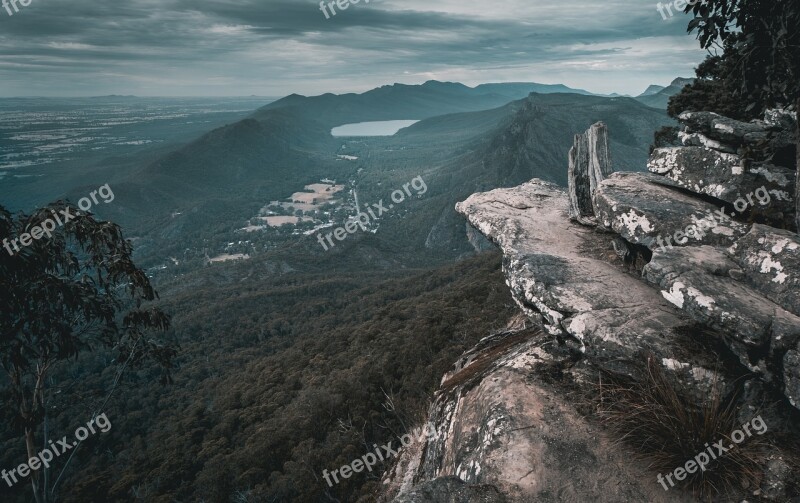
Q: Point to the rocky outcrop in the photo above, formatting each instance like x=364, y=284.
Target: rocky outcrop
x=644, y=210
x=666, y=264
x=719, y=268
x=577, y=297
x=502, y=422
x=797, y=165
x=452, y=490
x=589, y=164
x=719, y=158
x=724, y=176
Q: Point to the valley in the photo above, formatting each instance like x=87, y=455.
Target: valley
x=227, y=227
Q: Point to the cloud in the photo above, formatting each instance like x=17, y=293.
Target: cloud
x=276, y=47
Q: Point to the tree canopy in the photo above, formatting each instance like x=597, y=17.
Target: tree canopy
x=754, y=60
x=68, y=284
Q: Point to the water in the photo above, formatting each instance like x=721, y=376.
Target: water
x=378, y=128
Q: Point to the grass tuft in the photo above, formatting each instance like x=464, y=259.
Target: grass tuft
x=666, y=428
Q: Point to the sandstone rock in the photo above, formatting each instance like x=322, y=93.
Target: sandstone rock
x=791, y=376
x=501, y=413
x=797, y=168
x=697, y=280
x=644, y=211
x=553, y=276
x=770, y=259
x=780, y=118
x=589, y=164
x=501, y=424
x=698, y=140
x=721, y=128
x=451, y=490
x=724, y=176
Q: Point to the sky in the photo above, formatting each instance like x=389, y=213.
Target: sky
x=278, y=47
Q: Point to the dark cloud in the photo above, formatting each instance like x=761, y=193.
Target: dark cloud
x=275, y=47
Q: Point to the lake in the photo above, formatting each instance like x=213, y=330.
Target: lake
x=378, y=128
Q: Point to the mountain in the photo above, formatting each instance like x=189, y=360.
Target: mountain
x=196, y=197
x=413, y=102
x=522, y=89
x=528, y=140
x=660, y=98
x=653, y=89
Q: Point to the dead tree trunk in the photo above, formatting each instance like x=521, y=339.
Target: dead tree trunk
x=589, y=164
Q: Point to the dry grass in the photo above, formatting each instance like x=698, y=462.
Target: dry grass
x=666, y=429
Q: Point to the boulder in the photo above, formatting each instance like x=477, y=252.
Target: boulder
x=699, y=140
x=555, y=276
x=643, y=210
x=770, y=261
x=791, y=376
x=723, y=129
x=501, y=425
x=705, y=283
x=725, y=177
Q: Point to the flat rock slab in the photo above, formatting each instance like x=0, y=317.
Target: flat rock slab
x=614, y=316
x=701, y=281
x=723, y=176
x=724, y=129
x=643, y=210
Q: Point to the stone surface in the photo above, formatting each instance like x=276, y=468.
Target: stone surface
x=553, y=276
x=720, y=310
x=589, y=164
x=644, y=211
x=451, y=490
x=721, y=128
x=770, y=260
x=724, y=176
x=699, y=140
x=698, y=281
x=791, y=375
x=501, y=424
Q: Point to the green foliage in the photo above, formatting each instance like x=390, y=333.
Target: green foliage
x=711, y=92
x=281, y=377
x=65, y=294
x=758, y=67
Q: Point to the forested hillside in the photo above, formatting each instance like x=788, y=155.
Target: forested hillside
x=279, y=378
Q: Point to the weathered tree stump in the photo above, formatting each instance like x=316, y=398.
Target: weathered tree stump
x=589, y=164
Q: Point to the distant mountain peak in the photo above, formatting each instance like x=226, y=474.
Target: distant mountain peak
x=682, y=81
x=653, y=89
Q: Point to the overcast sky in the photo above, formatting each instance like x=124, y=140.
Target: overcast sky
x=277, y=47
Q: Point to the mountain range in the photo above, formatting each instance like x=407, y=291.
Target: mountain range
x=466, y=140
x=658, y=97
